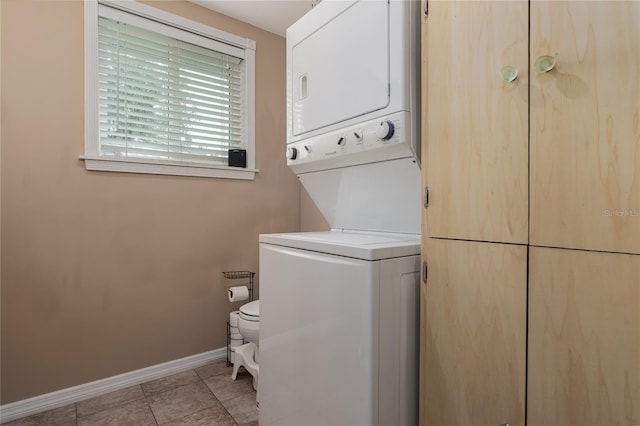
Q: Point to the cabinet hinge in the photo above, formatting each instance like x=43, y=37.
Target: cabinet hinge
x=425, y=8
x=425, y=197
x=424, y=271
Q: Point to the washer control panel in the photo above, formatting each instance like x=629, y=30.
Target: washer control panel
x=376, y=140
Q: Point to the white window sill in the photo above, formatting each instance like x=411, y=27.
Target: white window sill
x=107, y=164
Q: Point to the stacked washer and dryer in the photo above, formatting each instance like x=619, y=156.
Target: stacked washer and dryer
x=339, y=309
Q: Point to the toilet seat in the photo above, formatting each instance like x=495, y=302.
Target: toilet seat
x=250, y=318
x=250, y=311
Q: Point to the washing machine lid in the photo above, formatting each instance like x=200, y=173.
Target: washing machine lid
x=355, y=244
x=251, y=309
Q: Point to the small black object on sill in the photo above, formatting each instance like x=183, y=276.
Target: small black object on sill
x=238, y=158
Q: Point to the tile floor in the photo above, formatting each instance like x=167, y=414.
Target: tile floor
x=205, y=396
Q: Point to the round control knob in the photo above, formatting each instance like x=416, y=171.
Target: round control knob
x=342, y=141
x=307, y=148
x=292, y=153
x=385, y=130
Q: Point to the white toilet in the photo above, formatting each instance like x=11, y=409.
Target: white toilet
x=249, y=327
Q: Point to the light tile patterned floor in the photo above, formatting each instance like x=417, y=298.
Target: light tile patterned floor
x=205, y=396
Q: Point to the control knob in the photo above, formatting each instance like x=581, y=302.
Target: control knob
x=292, y=153
x=385, y=130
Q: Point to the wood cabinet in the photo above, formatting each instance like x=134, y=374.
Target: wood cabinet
x=584, y=133
x=548, y=163
x=476, y=124
x=584, y=338
x=473, y=314
x=585, y=125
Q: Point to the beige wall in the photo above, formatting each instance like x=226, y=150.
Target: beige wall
x=104, y=273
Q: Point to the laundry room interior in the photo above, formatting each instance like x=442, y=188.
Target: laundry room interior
x=319, y=212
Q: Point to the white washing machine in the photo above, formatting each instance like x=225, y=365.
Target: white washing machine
x=339, y=309
x=339, y=329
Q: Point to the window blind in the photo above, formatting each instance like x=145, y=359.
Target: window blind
x=162, y=98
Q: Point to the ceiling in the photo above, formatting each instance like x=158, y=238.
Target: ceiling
x=271, y=15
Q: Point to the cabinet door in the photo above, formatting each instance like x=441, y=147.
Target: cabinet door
x=585, y=131
x=472, y=339
x=475, y=125
x=584, y=338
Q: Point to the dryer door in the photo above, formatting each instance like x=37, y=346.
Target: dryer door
x=341, y=70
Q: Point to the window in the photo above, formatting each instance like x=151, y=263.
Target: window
x=165, y=95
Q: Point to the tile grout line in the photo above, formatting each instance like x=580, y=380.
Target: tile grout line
x=144, y=396
x=235, y=421
x=216, y=398
x=120, y=405
x=202, y=382
x=146, y=401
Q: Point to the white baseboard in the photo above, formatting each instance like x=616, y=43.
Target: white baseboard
x=49, y=401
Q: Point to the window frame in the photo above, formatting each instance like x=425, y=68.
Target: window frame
x=92, y=158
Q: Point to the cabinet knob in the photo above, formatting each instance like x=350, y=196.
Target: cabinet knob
x=544, y=64
x=508, y=74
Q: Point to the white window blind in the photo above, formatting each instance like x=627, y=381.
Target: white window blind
x=161, y=98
